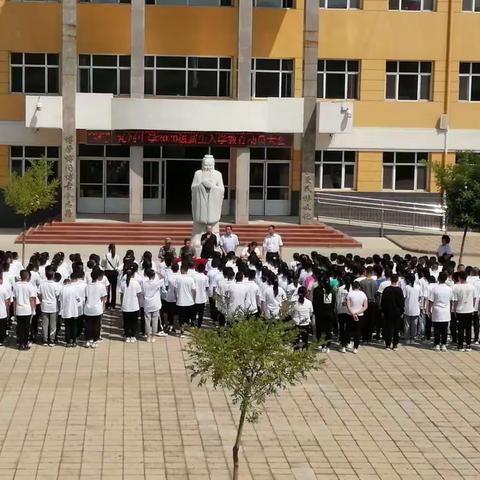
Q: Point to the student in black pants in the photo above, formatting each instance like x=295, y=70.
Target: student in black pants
x=393, y=304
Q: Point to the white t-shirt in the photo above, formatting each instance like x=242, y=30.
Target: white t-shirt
x=152, y=301
x=341, y=301
x=356, y=299
x=185, y=290
x=201, y=287
x=229, y=243
x=171, y=282
x=4, y=296
x=238, y=297
x=253, y=293
x=441, y=295
x=273, y=302
x=412, y=300
x=223, y=292
x=23, y=292
x=302, y=312
x=212, y=280
x=81, y=287
x=272, y=243
x=94, y=305
x=69, y=301
x=130, y=294
x=49, y=291
x=464, y=296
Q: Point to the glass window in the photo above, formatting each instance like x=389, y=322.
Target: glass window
x=273, y=3
x=272, y=78
x=104, y=1
x=411, y=5
x=469, y=88
x=192, y=3
x=21, y=157
x=334, y=169
x=471, y=5
x=343, y=4
x=409, y=81
x=188, y=76
x=405, y=170
x=338, y=79
x=104, y=74
x=34, y=73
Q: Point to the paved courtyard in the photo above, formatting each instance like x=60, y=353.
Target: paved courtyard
x=129, y=411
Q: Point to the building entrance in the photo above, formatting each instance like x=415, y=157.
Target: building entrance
x=178, y=186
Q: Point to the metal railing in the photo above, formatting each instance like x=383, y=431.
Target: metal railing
x=381, y=213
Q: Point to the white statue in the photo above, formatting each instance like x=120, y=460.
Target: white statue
x=207, y=199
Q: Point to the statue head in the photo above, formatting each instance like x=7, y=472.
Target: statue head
x=208, y=163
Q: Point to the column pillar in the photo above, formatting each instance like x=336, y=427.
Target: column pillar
x=69, y=91
x=244, y=81
x=137, y=32
x=310, y=58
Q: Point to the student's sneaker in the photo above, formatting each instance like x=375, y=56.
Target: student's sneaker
x=88, y=344
x=468, y=349
x=152, y=339
x=162, y=334
x=133, y=339
x=74, y=344
x=51, y=344
x=127, y=339
x=355, y=351
x=460, y=349
x=436, y=348
x=149, y=339
x=320, y=348
x=1, y=344
x=387, y=348
x=326, y=350
x=343, y=350
x=476, y=343
x=45, y=344
x=395, y=348
x=444, y=348
x=93, y=345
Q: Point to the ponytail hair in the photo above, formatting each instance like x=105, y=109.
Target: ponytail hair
x=302, y=291
x=112, y=249
x=275, y=286
x=129, y=276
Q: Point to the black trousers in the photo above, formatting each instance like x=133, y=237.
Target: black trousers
x=454, y=327
x=186, y=315
x=3, y=329
x=303, y=332
x=464, y=326
x=355, y=330
x=130, y=321
x=199, y=311
x=440, y=332
x=92, y=327
x=71, y=325
x=213, y=309
x=142, y=321
x=428, y=327
x=476, y=326
x=271, y=255
x=391, y=329
x=112, y=277
x=80, y=325
x=222, y=321
x=169, y=309
x=369, y=320
x=343, y=319
x=34, y=324
x=323, y=324
x=23, y=329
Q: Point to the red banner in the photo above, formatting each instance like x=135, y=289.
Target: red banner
x=158, y=137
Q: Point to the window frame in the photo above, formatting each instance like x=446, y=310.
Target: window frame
x=348, y=7
x=90, y=67
x=187, y=4
x=415, y=164
x=285, y=4
x=255, y=70
x=343, y=163
x=116, y=2
x=469, y=76
x=422, y=7
x=397, y=74
x=474, y=3
x=28, y=158
x=46, y=66
x=346, y=74
x=188, y=69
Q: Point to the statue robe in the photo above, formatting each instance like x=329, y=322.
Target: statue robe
x=207, y=203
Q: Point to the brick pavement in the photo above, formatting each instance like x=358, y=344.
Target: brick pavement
x=129, y=411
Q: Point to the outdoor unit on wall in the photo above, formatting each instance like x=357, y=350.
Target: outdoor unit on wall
x=334, y=117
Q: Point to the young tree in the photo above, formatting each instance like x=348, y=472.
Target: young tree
x=31, y=192
x=252, y=358
x=461, y=185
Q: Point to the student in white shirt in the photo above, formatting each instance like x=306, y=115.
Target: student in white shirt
x=464, y=297
x=185, y=293
x=238, y=295
x=170, y=303
x=253, y=294
x=357, y=303
x=411, y=313
x=274, y=298
x=229, y=242
x=201, y=293
x=343, y=313
x=49, y=292
x=5, y=297
x=111, y=266
x=302, y=316
x=152, y=304
x=440, y=299
x=130, y=290
x=272, y=244
x=69, y=301
x=35, y=280
x=78, y=280
x=250, y=249
x=96, y=296
x=212, y=276
x=25, y=295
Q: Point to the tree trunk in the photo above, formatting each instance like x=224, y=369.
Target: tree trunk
x=23, y=239
x=465, y=230
x=237, y=444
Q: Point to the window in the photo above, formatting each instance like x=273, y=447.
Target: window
x=469, y=82
x=471, y=5
x=273, y=3
x=188, y=76
x=192, y=3
x=21, y=157
x=340, y=4
x=104, y=74
x=34, y=73
x=272, y=77
x=408, y=80
x=337, y=79
x=412, y=5
x=104, y=1
x=404, y=170
x=334, y=169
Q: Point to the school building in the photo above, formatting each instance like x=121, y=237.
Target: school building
x=291, y=97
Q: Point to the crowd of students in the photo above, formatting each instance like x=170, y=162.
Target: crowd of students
x=345, y=297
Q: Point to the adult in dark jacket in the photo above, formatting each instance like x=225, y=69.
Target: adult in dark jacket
x=323, y=300
x=393, y=303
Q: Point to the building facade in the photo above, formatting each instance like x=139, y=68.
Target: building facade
x=291, y=97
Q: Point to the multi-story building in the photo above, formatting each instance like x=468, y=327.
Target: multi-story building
x=289, y=96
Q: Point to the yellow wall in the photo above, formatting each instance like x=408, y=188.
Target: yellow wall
x=4, y=165
x=369, y=171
